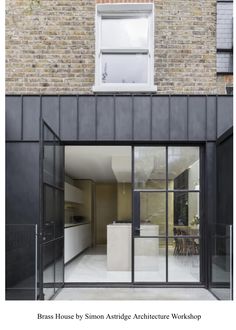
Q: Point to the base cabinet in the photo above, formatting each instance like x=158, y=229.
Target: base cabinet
x=77, y=239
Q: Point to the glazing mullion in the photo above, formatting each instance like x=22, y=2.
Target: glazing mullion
x=133, y=212
x=167, y=222
x=54, y=198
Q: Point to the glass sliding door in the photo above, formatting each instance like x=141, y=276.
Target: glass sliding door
x=166, y=214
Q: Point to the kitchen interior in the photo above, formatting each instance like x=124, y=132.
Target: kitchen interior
x=98, y=213
x=97, y=197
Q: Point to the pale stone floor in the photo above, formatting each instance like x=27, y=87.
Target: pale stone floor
x=134, y=294
x=91, y=267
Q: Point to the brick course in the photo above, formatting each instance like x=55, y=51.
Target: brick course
x=50, y=47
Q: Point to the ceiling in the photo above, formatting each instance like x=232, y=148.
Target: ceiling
x=99, y=163
x=113, y=163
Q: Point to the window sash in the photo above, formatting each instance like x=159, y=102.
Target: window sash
x=107, y=13
x=124, y=51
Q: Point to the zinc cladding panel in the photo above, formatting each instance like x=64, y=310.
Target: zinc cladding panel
x=13, y=118
x=142, y=118
x=68, y=117
x=197, y=117
x=211, y=118
x=87, y=118
x=224, y=114
x=123, y=118
x=50, y=111
x=160, y=118
x=31, y=115
x=178, y=118
x=105, y=118
x=22, y=177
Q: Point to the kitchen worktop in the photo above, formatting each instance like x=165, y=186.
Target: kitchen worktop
x=119, y=240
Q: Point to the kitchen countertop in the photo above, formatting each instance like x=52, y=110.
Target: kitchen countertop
x=118, y=224
x=68, y=225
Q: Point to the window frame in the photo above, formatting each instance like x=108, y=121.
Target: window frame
x=121, y=11
x=225, y=50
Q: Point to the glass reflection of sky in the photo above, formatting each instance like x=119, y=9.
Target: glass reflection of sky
x=125, y=33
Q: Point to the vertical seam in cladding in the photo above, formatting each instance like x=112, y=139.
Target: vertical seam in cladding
x=77, y=118
x=167, y=215
x=59, y=116
x=169, y=112
x=96, y=123
x=216, y=117
x=114, y=118
x=206, y=103
x=187, y=118
x=150, y=117
x=132, y=116
x=21, y=123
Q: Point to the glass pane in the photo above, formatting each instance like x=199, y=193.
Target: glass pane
x=183, y=167
x=150, y=260
x=49, y=213
x=59, y=165
x=48, y=160
x=124, y=68
x=183, y=260
x=152, y=213
x=183, y=213
x=150, y=168
x=48, y=270
x=59, y=213
x=221, y=259
x=125, y=32
x=59, y=262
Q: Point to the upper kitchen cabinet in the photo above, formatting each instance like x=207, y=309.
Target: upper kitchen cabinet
x=73, y=194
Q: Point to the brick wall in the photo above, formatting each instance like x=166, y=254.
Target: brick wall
x=50, y=46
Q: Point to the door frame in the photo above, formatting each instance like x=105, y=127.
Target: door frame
x=42, y=184
x=203, y=253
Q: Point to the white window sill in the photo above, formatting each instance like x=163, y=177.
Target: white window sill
x=122, y=88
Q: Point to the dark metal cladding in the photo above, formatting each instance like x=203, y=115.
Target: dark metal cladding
x=121, y=117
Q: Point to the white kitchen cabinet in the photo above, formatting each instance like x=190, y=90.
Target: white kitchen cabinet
x=77, y=239
x=73, y=194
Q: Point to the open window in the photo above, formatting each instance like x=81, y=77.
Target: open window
x=124, y=48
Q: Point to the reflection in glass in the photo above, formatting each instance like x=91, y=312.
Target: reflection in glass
x=59, y=165
x=49, y=213
x=48, y=270
x=125, y=32
x=183, y=259
x=221, y=260
x=149, y=260
x=59, y=212
x=150, y=168
x=124, y=68
x=183, y=167
x=183, y=213
x=48, y=154
x=152, y=213
x=59, y=262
